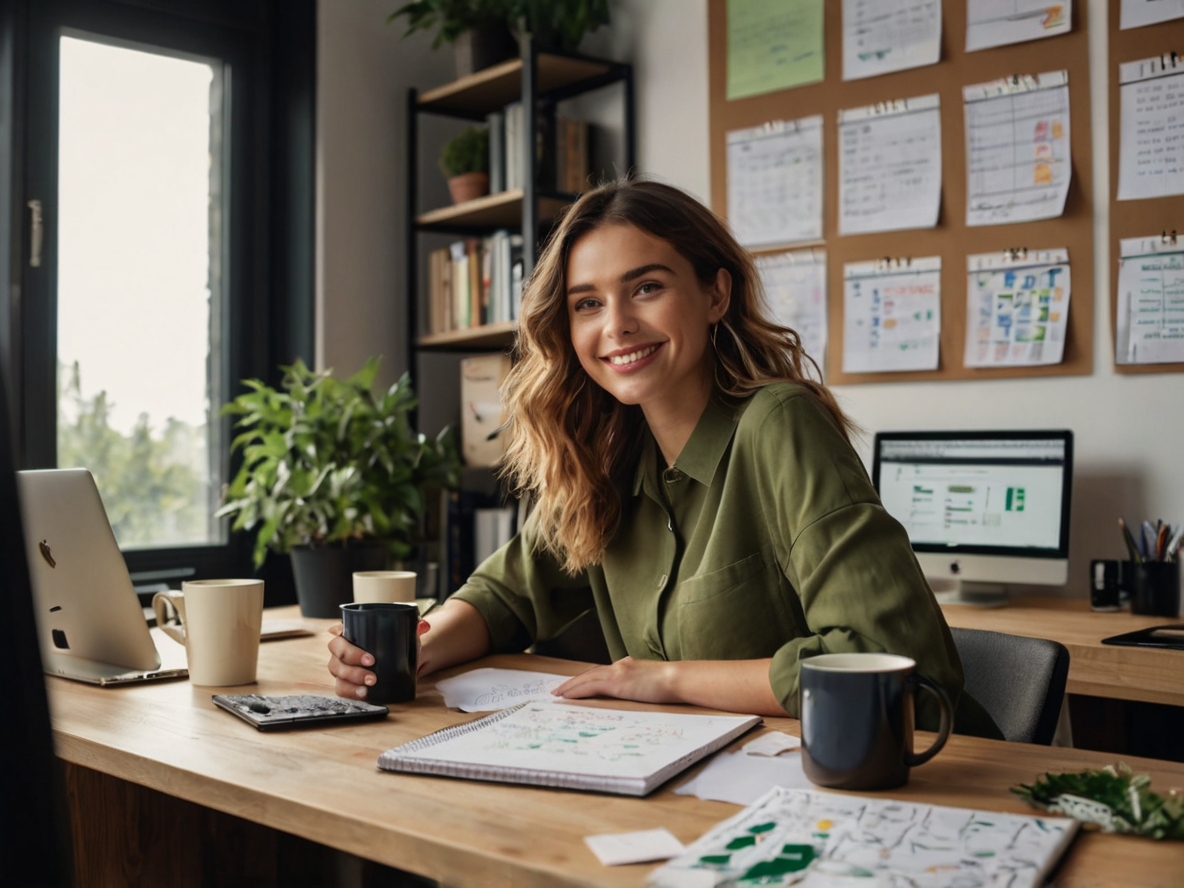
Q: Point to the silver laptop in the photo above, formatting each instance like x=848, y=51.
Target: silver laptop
x=89, y=622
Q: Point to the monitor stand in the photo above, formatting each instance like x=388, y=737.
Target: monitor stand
x=964, y=592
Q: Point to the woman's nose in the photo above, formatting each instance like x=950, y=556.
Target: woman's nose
x=621, y=319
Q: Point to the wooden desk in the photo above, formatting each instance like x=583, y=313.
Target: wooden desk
x=1150, y=675
x=323, y=785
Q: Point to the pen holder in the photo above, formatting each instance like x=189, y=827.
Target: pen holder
x=1155, y=588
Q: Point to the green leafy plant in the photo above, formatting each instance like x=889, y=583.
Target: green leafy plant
x=467, y=153
x=451, y=18
x=328, y=462
x=560, y=22
x=1114, y=798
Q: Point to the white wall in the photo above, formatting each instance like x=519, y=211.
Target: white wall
x=1128, y=428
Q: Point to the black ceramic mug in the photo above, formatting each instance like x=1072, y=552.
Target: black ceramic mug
x=387, y=632
x=857, y=719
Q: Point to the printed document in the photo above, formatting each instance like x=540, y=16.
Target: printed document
x=1151, y=150
x=1137, y=13
x=890, y=165
x=775, y=182
x=1150, y=327
x=1017, y=148
x=891, y=315
x=484, y=690
x=1000, y=22
x=795, y=286
x=881, y=36
x=1017, y=308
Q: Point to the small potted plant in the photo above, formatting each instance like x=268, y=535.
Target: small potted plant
x=464, y=161
x=334, y=474
x=478, y=29
x=558, y=24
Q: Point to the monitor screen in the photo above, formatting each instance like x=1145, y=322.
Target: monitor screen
x=997, y=494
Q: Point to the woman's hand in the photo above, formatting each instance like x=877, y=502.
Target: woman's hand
x=349, y=664
x=647, y=681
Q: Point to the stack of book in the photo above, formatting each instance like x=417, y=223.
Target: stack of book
x=561, y=153
x=475, y=281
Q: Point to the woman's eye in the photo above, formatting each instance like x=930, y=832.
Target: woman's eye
x=585, y=304
x=649, y=287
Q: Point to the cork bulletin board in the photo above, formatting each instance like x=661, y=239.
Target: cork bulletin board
x=1148, y=216
x=951, y=239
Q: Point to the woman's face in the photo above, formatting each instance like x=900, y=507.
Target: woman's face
x=640, y=319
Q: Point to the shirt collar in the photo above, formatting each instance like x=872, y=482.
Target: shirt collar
x=703, y=451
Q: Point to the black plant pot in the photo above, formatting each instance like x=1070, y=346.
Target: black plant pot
x=482, y=48
x=325, y=575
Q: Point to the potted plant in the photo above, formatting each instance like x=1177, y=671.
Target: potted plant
x=464, y=161
x=333, y=474
x=478, y=29
x=558, y=24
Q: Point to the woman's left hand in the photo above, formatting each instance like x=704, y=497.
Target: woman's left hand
x=647, y=681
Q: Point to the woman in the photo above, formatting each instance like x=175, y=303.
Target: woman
x=691, y=483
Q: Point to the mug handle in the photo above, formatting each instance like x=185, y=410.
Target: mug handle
x=170, y=606
x=912, y=759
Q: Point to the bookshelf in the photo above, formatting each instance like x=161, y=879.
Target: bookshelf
x=540, y=79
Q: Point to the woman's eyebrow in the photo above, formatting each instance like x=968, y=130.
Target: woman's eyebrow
x=631, y=275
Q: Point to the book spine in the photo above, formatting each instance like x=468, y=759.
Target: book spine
x=496, y=122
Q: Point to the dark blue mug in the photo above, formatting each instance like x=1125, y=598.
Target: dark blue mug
x=857, y=719
x=388, y=633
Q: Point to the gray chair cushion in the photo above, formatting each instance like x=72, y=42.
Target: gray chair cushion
x=1020, y=681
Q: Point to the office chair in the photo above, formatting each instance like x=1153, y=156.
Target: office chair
x=35, y=846
x=1020, y=681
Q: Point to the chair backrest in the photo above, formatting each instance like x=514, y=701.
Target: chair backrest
x=1020, y=681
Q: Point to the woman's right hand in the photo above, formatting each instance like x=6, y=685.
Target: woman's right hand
x=349, y=664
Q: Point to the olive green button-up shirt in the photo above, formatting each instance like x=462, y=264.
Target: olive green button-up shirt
x=764, y=539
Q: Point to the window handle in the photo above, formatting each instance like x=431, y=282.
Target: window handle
x=36, y=233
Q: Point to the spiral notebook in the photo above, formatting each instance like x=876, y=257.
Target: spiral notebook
x=570, y=746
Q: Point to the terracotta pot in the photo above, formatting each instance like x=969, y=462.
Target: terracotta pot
x=468, y=186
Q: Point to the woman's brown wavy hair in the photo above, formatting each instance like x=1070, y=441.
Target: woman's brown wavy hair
x=572, y=447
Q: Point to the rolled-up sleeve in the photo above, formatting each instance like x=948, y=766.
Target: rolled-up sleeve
x=857, y=580
x=524, y=595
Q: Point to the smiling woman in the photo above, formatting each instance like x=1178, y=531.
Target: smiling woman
x=693, y=483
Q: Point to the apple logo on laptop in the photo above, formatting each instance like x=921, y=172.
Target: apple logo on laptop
x=46, y=554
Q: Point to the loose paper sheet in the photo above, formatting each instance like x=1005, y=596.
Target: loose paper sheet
x=775, y=182
x=773, y=45
x=1017, y=308
x=891, y=315
x=614, y=849
x=795, y=284
x=772, y=743
x=484, y=690
x=1151, y=151
x=881, y=36
x=890, y=165
x=1017, y=145
x=1000, y=22
x=741, y=779
x=1137, y=13
x=797, y=836
x=1150, y=328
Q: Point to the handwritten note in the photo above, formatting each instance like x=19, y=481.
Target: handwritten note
x=1138, y=13
x=891, y=315
x=484, y=690
x=1017, y=308
x=881, y=36
x=1000, y=22
x=1017, y=147
x=775, y=182
x=890, y=165
x=773, y=45
x=1151, y=150
x=795, y=286
x=1150, y=327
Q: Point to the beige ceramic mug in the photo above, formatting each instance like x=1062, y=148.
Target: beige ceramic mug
x=219, y=622
x=383, y=586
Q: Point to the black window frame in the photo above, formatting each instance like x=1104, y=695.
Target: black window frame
x=269, y=248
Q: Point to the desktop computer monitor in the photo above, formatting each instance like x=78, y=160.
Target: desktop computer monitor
x=982, y=509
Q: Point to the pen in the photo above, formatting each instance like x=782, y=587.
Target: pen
x=1161, y=542
x=1146, y=540
x=1127, y=538
x=1174, y=544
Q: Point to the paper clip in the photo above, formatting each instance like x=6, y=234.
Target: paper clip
x=1166, y=238
x=1013, y=254
x=888, y=262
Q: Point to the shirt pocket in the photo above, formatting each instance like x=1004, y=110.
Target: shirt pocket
x=737, y=612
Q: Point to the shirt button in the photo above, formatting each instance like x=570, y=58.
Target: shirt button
x=662, y=582
x=671, y=475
